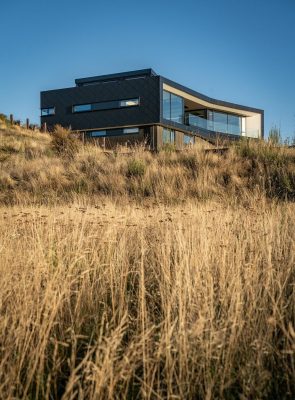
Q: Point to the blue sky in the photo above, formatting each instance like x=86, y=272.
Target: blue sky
x=234, y=50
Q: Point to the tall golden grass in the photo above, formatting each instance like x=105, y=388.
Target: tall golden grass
x=113, y=292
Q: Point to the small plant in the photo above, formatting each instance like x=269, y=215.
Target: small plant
x=135, y=168
x=63, y=143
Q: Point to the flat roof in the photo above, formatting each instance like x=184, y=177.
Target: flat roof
x=114, y=77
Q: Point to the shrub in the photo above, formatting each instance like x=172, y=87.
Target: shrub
x=63, y=143
x=135, y=168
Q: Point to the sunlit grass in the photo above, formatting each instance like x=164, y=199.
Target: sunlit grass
x=154, y=276
x=153, y=302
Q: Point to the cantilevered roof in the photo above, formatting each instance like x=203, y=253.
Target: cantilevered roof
x=206, y=101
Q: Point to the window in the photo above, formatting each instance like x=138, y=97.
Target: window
x=234, y=124
x=98, y=133
x=168, y=136
x=166, y=105
x=113, y=132
x=224, y=123
x=105, y=105
x=220, y=122
x=188, y=140
x=128, y=131
x=177, y=109
x=173, y=107
x=129, y=103
x=47, y=111
x=82, y=108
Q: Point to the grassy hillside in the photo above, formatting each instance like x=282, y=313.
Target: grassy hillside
x=140, y=276
x=35, y=169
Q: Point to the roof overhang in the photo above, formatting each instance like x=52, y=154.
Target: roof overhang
x=207, y=102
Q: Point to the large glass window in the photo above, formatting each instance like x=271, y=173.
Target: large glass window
x=234, y=124
x=173, y=107
x=105, y=105
x=176, y=109
x=47, y=111
x=220, y=122
x=168, y=136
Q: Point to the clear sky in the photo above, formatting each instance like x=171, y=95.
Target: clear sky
x=234, y=50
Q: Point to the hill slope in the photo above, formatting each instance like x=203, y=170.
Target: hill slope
x=35, y=168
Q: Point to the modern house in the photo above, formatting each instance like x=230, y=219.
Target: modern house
x=141, y=106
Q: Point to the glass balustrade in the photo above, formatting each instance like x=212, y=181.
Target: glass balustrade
x=218, y=126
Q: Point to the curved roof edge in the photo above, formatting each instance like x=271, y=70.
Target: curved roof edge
x=210, y=99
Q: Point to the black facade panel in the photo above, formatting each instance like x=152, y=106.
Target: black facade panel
x=148, y=112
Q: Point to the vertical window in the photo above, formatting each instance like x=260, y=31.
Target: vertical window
x=173, y=107
x=166, y=105
x=210, y=123
x=234, y=124
x=177, y=109
x=168, y=136
x=220, y=122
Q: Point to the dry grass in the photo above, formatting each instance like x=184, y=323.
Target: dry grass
x=35, y=169
x=108, y=291
x=153, y=302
